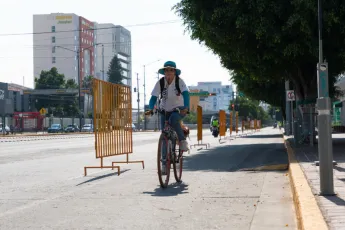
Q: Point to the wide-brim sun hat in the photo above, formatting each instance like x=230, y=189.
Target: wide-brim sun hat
x=169, y=64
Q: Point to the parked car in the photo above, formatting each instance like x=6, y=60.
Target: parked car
x=72, y=129
x=131, y=127
x=55, y=128
x=87, y=128
x=5, y=131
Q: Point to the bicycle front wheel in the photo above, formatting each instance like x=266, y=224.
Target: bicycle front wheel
x=177, y=163
x=163, y=163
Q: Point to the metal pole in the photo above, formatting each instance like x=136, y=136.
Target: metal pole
x=292, y=120
x=79, y=87
x=311, y=137
x=103, y=62
x=138, y=100
x=288, y=111
x=325, y=147
x=144, y=98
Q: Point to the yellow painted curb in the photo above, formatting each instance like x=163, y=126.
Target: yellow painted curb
x=308, y=213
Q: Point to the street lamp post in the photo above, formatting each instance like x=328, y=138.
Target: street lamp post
x=145, y=88
x=325, y=147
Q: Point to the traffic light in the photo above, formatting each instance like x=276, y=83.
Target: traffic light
x=135, y=90
x=237, y=106
x=232, y=106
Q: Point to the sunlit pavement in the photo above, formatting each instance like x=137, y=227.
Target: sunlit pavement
x=42, y=186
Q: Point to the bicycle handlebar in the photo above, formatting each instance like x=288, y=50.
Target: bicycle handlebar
x=150, y=112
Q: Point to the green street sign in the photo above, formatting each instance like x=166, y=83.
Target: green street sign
x=201, y=94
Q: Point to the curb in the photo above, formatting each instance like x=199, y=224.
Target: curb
x=308, y=213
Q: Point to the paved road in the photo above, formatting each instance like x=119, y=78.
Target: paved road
x=42, y=187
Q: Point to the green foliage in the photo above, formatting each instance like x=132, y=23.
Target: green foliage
x=250, y=108
x=57, y=105
x=115, y=71
x=190, y=118
x=269, y=40
x=71, y=84
x=50, y=80
x=87, y=82
x=269, y=91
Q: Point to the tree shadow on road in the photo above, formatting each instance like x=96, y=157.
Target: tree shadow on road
x=231, y=158
x=174, y=189
x=96, y=178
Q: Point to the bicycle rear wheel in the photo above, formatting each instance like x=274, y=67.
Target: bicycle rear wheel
x=163, y=176
x=177, y=163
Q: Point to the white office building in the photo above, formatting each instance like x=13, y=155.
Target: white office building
x=218, y=102
x=113, y=40
x=58, y=37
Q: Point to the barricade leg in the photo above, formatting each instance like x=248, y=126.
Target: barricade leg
x=127, y=162
x=101, y=167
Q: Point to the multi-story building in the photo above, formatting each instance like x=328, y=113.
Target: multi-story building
x=113, y=40
x=67, y=34
x=214, y=103
x=58, y=38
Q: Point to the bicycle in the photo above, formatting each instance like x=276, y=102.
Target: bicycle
x=168, y=140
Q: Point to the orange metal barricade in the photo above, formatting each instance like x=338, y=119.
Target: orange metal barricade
x=222, y=125
x=199, y=128
x=112, y=106
x=236, y=123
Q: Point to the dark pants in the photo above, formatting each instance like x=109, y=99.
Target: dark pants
x=174, y=120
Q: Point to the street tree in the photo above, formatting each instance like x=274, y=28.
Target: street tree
x=58, y=105
x=115, y=71
x=50, y=79
x=248, y=108
x=267, y=39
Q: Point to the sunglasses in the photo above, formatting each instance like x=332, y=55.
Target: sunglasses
x=169, y=70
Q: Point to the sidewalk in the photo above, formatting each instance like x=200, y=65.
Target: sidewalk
x=332, y=207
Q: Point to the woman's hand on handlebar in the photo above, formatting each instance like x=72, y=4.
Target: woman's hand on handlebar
x=184, y=111
x=149, y=113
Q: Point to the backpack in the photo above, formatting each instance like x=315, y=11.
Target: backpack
x=177, y=85
x=162, y=84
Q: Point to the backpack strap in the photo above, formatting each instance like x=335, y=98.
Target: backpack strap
x=177, y=85
x=162, y=83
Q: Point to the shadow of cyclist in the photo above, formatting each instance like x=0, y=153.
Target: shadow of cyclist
x=174, y=189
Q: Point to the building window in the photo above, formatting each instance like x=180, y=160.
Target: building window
x=75, y=37
x=53, y=39
x=53, y=60
x=53, y=49
x=75, y=68
x=53, y=29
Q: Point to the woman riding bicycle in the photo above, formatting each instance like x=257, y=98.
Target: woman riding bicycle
x=173, y=93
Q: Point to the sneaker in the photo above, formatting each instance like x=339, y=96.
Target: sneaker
x=184, y=146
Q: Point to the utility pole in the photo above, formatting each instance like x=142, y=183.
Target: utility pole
x=103, y=62
x=79, y=87
x=325, y=147
x=138, y=100
x=144, y=97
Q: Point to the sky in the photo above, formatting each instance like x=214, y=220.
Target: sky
x=149, y=43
